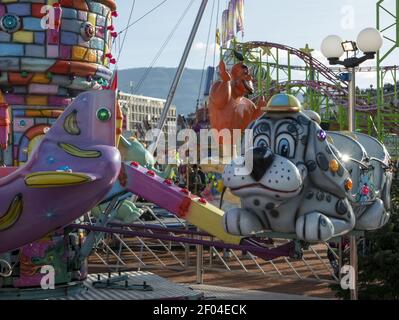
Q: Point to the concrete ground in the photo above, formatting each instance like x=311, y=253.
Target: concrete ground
x=225, y=293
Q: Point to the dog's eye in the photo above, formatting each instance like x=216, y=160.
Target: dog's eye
x=285, y=145
x=262, y=140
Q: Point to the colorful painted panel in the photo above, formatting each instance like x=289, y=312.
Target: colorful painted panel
x=46, y=62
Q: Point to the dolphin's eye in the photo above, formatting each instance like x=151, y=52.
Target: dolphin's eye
x=104, y=114
x=285, y=145
x=10, y=23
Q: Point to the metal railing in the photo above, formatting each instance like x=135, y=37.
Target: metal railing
x=117, y=252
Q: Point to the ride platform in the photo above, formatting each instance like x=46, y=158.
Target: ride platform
x=162, y=289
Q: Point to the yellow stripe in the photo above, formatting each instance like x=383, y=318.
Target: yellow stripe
x=209, y=218
x=55, y=179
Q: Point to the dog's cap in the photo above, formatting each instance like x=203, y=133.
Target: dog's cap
x=283, y=103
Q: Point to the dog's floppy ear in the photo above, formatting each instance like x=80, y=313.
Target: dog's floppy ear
x=325, y=169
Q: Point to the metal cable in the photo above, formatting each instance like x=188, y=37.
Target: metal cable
x=125, y=35
x=206, y=54
x=160, y=51
x=143, y=16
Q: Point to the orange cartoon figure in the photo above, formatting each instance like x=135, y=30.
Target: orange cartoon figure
x=228, y=106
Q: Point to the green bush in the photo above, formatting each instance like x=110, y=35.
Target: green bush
x=379, y=268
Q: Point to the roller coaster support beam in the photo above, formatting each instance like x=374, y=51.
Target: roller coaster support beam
x=387, y=23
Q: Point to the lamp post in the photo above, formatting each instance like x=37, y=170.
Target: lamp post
x=369, y=41
x=333, y=47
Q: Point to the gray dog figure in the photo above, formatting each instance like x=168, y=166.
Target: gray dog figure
x=296, y=184
x=368, y=162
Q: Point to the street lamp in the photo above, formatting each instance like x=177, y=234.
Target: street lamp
x=369, y=41
x=333, y=47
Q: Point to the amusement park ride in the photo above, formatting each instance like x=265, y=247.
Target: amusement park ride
x=60, y=130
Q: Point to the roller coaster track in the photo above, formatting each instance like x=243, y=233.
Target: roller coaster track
x=308, y=59
x=333, y=69
x=332, y=86
x=338, y=96
x=335, y=89
x=328, y=72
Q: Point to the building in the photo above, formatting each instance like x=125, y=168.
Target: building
x=142, y=113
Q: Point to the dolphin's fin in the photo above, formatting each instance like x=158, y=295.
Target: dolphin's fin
x=52, y=179
x=124, y=142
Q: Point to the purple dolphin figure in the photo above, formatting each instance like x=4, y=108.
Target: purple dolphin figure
x=69, y=172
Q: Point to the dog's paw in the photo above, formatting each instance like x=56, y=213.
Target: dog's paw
x=241, y=222
x=314, y=227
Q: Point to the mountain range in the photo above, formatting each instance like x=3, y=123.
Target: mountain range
x=157, y=84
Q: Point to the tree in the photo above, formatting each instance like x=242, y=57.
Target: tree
x=379, y=267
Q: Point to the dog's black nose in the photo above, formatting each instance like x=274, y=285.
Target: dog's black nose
x=262, y=159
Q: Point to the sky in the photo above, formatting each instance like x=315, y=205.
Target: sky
x=291, y=22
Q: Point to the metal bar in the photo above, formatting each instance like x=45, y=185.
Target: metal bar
x=94, y=237
x=387, y=11
x=135, y=266
x=389, y=39
x=396, y=21
x=129, y=249
x=99, y=257
x=149, y=249
x=352, y=128
x=186, y=253
x=275, y=267
x=266, y=253
x=200, y=263
x=332, y=251
x=352, y=100
x=388, y=52
x=221, y=259
x=290, y=265
x=340, y=260
x=178, y=74
x=160, y=222
x=119, y=254
x=167, y=249
x=354, y=264
x=323, y=262
x=165, y=229
x=238, y=260
x=113, y=252
x=211, y=253
x=386, y=28
x=256, y=262
x=310, y=268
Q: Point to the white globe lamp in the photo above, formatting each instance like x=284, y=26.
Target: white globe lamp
x=369, y=40
x=331, y=47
